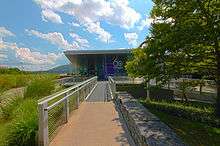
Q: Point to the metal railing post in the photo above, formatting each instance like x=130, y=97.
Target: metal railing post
x=66, y=108
x=78, y=98
x=114, y=88
x=43, y=139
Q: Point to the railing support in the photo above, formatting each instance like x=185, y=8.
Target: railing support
x=114, y=89
x=112, y=85
x=43, y=125
x=78, y=99
x=66, y=108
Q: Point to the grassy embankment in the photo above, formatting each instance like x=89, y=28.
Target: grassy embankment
x=18, y=112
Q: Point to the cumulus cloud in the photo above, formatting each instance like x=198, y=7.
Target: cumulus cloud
x=51, y=16
x=81, y=41
x=54, y=38
x=94, y=27
x=36, y=57
x=163, y=20
x=123, y=15
x=28, y=59
x=5, y=33
x=3, y=56
x=74, y=24
x=145, y=23
x=32, y=57
x=90, y=13
x=131, y=38
x=148, y=21
x=25, y=54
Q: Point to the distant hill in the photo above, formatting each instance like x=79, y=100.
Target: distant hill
x=62, y=69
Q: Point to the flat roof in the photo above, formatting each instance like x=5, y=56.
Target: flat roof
x=88, y=52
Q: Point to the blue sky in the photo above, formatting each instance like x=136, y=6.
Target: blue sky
x=34, y=33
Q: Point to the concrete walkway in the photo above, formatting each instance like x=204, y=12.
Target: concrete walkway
x=100, y=93
x=95, y=123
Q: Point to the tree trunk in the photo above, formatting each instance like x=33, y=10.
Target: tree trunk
x=200, y=88
x=185, y=97
x=148, y=90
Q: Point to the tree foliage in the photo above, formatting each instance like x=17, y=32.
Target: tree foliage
x=184, y=39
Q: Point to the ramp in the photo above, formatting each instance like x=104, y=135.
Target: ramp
x=95, y=123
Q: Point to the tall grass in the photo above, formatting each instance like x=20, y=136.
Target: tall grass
x=8, y=81
x=24, y=125
x=39, y=88
x=7, y=108
x=21, y=113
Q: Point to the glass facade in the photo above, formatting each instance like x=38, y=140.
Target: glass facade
x=102, y=65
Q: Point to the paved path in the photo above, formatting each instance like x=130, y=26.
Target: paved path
x=100, y=93
x=94, y=124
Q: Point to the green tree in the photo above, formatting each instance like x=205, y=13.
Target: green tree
x=184, y=39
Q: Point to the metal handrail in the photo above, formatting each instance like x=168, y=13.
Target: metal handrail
x=55, y=95
x=64, y=98
x=112, y=86
x=128, y=80
x=43, y=108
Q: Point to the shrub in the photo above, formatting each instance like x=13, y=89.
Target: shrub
x=39, y=88
x=23, y=129
x=198, y=113
x=136, y=90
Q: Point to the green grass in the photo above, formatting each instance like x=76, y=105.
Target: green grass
x=192, y=133
x=39, y=88
x=18, y=116
x=3, y=131
x=23, y=128
x=9, y=81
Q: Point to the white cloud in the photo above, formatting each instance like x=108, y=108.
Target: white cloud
x=163, y=20
x=145, y=23
x=25, y=54
x=51, y=16
x=74, y=24
x=5, y=33
x=3, y=56
x=122, y=48
x=7, y=45
x=32, y=57
x=89, y=13
x=54, y=38
x=148, y=21
x=36, y=57
x=81, y=41
x=131, y=38
x=94, y=27
x=123, y=14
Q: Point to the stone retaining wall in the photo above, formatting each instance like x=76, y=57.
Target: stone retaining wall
x=145, y=128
